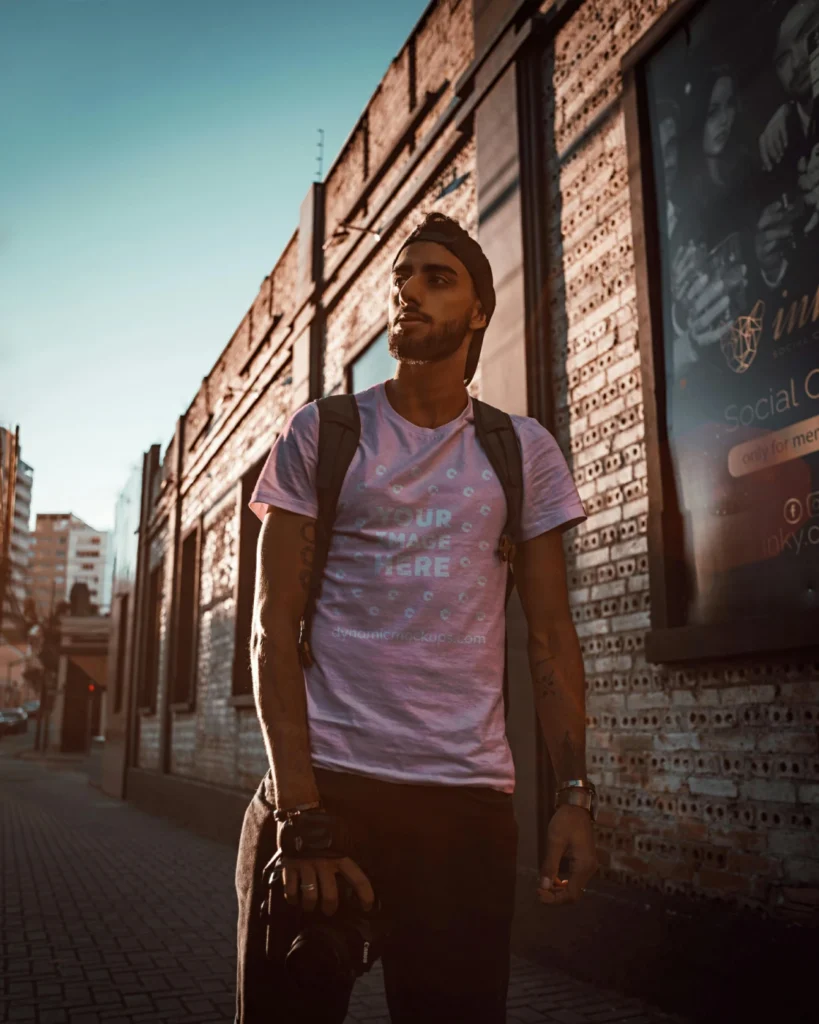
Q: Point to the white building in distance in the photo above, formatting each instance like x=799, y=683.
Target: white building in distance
x=90, y=562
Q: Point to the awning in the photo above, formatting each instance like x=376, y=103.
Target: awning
x=94, y=665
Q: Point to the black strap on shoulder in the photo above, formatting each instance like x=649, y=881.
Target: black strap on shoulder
x=339, y=432
x=499, y=441
x=497, y=436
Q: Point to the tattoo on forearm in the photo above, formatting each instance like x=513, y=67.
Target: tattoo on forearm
x=571, y=759
x=545, y=678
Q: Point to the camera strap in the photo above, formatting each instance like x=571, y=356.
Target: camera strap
x=313, y=833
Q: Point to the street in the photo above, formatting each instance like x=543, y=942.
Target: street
x=109, y=914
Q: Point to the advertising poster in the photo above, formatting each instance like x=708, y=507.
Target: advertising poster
x=735, y=152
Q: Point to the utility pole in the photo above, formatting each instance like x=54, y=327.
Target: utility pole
x=9, y=467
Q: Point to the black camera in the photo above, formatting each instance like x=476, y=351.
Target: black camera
x=327, y=951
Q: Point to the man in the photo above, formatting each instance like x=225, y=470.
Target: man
x=785, y=238
x=396, y=727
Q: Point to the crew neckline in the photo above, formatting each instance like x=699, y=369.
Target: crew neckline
x=384, y=399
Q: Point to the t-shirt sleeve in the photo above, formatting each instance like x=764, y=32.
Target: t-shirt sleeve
x=550, y=498
x=288, y=478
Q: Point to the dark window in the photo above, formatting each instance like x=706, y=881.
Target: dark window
x=150, y=677
x=122, y=638
x=249, y=528
x=95, y=540
x=375, y=364
x=184, y=680
x=87, y=565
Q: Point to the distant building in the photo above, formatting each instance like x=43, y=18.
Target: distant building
x=65, y=551
x=20, y=553
x=15, y=483
x=89, y=562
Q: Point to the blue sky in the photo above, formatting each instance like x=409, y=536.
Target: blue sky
x=154, y=157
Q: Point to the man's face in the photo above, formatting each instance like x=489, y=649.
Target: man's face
x=432, y=306
x=792, y=52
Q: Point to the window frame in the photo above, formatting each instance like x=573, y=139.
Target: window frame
x=359, y=351
x=184, y=671
x=149, y=687
x=123, y=609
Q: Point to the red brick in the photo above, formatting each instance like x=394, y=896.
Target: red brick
x=710, y=879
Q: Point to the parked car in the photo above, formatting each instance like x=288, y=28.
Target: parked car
x=13, y=720
x=31, y=707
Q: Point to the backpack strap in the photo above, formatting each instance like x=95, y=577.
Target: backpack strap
x=499, y=441
x=339, y=432
x=497, y=436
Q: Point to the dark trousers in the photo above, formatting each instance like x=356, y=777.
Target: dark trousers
x=442, y=861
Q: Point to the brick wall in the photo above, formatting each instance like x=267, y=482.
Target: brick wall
x=709, y=776
x=361, y=309
x=434, y=57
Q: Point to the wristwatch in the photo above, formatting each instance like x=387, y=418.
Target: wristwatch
x=580, y=793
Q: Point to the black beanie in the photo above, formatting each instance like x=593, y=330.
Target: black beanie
x=443, y=230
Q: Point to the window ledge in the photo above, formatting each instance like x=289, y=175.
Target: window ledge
x=182, y=706
x=242, y=700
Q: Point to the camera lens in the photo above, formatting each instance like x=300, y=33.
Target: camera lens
x=314, y=958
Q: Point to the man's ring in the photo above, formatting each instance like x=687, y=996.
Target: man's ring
x=309, y=888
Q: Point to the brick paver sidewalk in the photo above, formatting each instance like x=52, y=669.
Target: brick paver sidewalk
x=109, y=914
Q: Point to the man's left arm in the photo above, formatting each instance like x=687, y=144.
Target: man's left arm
x=558, y=679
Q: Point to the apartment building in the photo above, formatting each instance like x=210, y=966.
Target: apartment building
x=89, y=562
x=20, y=554
x=49, y=558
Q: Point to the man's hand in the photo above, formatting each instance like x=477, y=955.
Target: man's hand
x=709, y=305
x=320, y=872
x=773, y=231
x=774, y=140
x=570, y=833
x=809, y=183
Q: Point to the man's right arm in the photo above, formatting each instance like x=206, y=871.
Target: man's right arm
x=284, y=560
x=283, y=566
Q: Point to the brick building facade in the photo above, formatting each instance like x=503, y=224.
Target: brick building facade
x=514, y=120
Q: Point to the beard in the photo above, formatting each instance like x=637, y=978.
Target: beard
x=432, y=345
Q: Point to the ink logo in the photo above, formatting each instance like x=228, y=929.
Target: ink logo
x=741, y=345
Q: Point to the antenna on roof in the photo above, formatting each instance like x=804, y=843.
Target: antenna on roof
x=320, y=157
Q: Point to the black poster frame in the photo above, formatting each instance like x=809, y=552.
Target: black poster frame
x=671, y=637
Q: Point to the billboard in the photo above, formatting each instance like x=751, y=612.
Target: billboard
x=732, y=109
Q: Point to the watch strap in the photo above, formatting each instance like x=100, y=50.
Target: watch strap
x=575, y=797
x=584, y=796
x=576, y=784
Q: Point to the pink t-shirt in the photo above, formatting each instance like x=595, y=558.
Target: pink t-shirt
x=408, y=637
